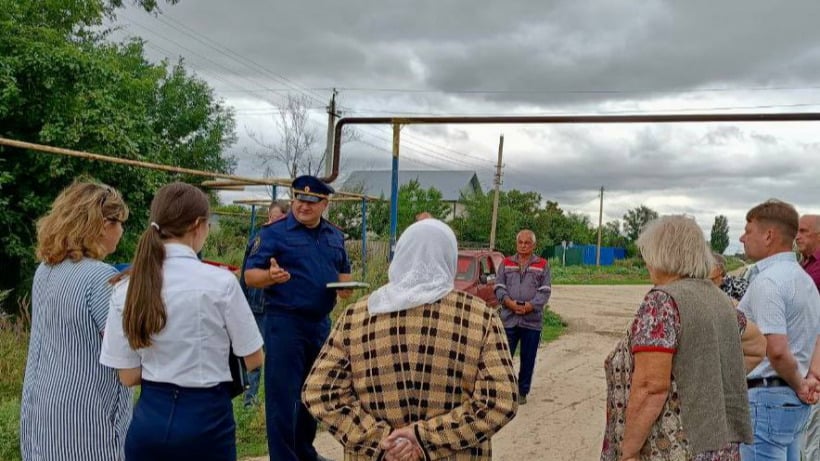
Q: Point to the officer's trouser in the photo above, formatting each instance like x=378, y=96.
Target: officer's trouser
x=292, y=344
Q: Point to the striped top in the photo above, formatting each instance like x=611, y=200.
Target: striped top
x=73, y=408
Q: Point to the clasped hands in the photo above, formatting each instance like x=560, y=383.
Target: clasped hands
x=402, y=445
x=520, y=309
x=809, y=392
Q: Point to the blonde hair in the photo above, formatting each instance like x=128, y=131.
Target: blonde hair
x=676, y=245
x=73, y=227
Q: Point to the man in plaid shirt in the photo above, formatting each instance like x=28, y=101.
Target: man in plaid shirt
x=523, y=287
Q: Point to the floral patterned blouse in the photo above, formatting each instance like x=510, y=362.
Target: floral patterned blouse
x=656, y=328
x=735, y=287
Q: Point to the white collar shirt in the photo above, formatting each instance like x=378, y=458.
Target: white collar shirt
x=206, y=314
x=783, y=300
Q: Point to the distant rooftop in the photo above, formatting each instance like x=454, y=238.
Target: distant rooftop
x=451, y=183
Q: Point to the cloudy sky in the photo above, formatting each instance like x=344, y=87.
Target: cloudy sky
x=541, y=57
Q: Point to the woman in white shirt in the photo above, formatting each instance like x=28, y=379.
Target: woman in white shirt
x=171, y=324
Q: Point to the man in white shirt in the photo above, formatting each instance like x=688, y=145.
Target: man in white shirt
x=784, y=303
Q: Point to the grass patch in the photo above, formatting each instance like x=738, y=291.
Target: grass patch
x=14, y=334
x=251, y=433
x=10, y=429
x=553, y=326
x=630, y=271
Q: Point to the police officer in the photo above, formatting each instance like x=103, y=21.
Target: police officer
x=293, y=259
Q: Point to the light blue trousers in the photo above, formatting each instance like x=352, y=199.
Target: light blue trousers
x=778, y=419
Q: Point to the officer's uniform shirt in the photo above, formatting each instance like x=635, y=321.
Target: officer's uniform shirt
x=313, y=257
x=206, y=313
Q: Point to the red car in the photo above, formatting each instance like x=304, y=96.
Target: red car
x=475, y=273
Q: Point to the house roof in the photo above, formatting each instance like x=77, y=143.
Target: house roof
x=450, y=183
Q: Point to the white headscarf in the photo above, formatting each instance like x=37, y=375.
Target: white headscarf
x=423, y=269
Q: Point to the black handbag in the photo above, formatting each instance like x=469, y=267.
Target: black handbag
x=239, y=375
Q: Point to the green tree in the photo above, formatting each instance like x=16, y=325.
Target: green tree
x=636, y=219
x=413, y=199
x=347, y=214
x=474, y=226
x=612, y=236
x=719, y=240
x=518, y=210
x=63, y=84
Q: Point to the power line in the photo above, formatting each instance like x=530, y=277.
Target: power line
x=424, y=147
x=581, y=91
x=240, y=58
x=236, y=57
x=433, y=156
x=230, y=72
x=544, y=91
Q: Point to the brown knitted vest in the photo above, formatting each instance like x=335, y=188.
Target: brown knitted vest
x=708, y=367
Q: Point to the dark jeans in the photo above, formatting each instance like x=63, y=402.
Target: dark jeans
x=529, y=347
x=172, y=422
x=256, y=375
x=293, y=343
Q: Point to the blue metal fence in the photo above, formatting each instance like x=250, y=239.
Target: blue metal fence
x=586, y=255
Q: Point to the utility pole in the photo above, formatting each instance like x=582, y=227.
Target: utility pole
x=600, y=228
x=497, y=191
x=331, y=124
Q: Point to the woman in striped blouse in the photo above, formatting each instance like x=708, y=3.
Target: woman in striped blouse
x=73, y=408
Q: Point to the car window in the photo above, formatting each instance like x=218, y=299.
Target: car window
x=465, y=270
x=485, y=266
x=496, y=260
x=490, y=266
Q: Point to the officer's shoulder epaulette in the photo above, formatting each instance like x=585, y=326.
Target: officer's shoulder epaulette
x=332, y=224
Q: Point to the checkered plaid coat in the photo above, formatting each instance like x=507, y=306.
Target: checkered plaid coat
x=443, y=367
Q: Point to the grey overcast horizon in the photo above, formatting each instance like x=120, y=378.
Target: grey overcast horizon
x=527, y=58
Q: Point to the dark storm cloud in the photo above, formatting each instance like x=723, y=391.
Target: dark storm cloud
x=469, y=57
x=567, y=50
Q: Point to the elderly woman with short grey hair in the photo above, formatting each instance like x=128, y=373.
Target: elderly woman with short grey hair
x=676, y=384
x=734, y=287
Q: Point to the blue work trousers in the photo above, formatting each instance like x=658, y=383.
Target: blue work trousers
x=778, y=420
x=292, y=345
x=172, y=423
x=529, y=348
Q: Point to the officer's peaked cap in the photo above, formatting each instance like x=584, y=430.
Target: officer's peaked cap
x=309, y=188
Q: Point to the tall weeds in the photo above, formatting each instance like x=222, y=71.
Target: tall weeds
x=14, y=334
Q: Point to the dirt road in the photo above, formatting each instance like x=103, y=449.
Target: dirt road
x=564, y=417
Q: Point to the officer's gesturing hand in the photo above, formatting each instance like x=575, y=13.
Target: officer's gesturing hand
x=277, y=274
